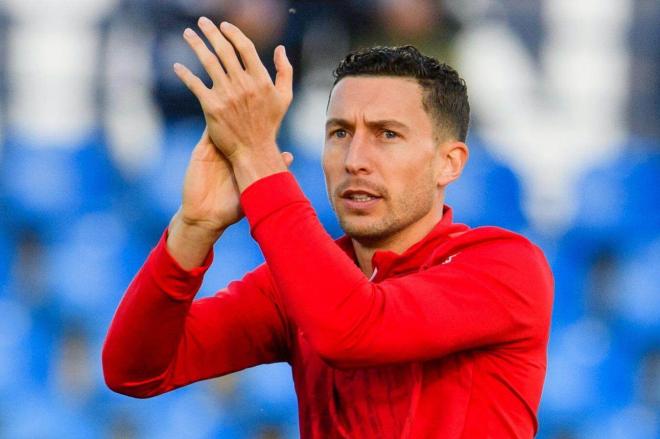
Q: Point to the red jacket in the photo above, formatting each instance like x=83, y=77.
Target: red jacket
x=448, y=340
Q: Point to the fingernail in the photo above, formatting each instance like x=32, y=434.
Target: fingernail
x=225, y=24
x=188, y=32
x=204, y=21
x=177, y=66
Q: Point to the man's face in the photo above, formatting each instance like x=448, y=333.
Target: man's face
x=380, y=157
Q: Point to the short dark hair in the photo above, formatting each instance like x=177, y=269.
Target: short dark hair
x=444, y=93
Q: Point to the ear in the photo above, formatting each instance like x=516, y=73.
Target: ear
x=453, y=157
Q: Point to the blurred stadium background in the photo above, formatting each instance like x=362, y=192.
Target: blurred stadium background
x=95, y=133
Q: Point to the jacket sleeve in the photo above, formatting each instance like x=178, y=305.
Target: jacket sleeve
x=496, y=292
x=161, y=339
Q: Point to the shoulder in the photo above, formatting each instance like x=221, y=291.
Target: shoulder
x=495, y=252
x=497, y=241
x=504, y=264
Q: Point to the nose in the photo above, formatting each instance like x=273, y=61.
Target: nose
x=358, y=160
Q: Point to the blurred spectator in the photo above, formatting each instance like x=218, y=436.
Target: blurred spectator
x=648, y=384
x=644, y=97
x=29, y=280
x=72, y=367
x=423, y=23
x=122, y=426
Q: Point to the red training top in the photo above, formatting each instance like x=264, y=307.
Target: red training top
x=447, y=340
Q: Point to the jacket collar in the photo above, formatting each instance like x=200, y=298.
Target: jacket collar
x=388, y=263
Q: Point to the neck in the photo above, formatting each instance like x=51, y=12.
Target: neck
x=398, y=242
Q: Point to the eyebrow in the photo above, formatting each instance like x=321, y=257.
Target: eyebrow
x=384, y=123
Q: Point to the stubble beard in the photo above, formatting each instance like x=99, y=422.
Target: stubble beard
x=402, y=212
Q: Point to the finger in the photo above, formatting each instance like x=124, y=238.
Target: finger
x=245, y=47
x=284, y=77
x=288, y=158
x=206, y=57
x=222, y=46
x=206, y=138
x=194, y=84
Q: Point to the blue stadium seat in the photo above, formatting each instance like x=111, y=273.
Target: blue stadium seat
x=270, y=387
x=488, y=192
x=7, y=250
x=237, y=253
x=16, y=347
x=634, y=421
x=90, y=266
x=570, y=266
x=46, y=186
x=193, y=413
x=635, y=306
x=37, y=412
x=618, y=212
x=589, y=371
x=618, y=202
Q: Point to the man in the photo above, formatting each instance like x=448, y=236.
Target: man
x=410, y=326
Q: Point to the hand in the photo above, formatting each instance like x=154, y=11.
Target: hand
x=244, y=108
x=210, y=196
x=210, y=204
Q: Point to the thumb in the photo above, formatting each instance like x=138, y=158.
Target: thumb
x=284, y=77
x=288, y=158
x=205, y=136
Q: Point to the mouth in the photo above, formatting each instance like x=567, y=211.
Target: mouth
x=359, y=195
x=359, y=199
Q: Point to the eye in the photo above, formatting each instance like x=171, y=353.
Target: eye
x=390, y=134
x=339, y=133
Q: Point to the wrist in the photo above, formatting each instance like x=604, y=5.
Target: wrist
x=251, y=165
x=195, y=231
x=189, y=244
